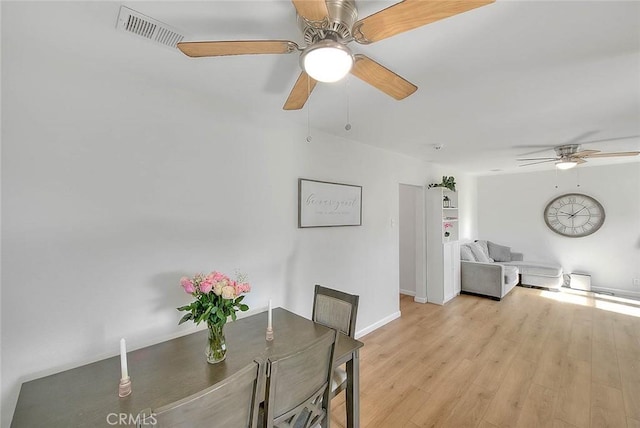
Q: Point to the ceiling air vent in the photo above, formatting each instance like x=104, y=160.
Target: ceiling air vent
x=136, y=23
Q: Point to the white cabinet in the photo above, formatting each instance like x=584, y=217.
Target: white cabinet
x=451, y=267
x=443, y=249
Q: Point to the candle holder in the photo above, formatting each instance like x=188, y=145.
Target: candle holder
x=269, y=333
x=124, y=388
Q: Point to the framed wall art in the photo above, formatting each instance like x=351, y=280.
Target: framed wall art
x=325, y=204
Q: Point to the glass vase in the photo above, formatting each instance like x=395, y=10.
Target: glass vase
x=216, y=346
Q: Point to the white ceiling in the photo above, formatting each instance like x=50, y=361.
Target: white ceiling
x=505, y=80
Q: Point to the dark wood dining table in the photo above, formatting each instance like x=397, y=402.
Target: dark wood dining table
x=87, y=396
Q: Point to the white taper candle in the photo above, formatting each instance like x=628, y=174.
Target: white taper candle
x=270, y=318
x=123, y=359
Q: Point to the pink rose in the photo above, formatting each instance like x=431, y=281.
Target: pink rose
x=228, y=292
x=217, y=288
x=243, y=288
x=206, y=285
x=217, y=276
x=187, y=284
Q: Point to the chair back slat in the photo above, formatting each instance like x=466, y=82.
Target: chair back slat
x=298, y=383
x=335, y=309
x=334, y=313
x=231, y=403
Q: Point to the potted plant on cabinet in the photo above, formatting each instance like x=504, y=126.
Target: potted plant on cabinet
x=447, y=182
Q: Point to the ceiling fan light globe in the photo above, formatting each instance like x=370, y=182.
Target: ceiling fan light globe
x=566, y=164
x=327, y=61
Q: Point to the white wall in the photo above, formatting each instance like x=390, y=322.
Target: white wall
x=510, y=212
x=468, y=203
x=114, y=185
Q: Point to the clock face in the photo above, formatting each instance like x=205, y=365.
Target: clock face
x=574, y=215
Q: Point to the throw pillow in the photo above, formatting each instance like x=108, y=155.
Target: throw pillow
x=499, y=253
x=479, y=253
x=484, y=247
x=466, y=254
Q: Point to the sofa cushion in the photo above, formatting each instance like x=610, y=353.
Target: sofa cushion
x=466, y=254
x=478, y=253
x=538, y=269
x=499, y=253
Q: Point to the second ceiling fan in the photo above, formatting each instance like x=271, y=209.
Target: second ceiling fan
x=570, y=155
x=327, y=27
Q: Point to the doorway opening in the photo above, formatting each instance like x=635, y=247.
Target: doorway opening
x=412, y=248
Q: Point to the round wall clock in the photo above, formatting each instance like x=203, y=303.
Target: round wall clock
x=574, y=215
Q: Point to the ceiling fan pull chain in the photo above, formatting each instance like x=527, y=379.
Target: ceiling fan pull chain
x=346, y=85
x=308, y=109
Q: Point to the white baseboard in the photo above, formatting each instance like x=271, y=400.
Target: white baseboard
x=407, y=292
x=617, y=292
x=377, y=325
x=420, y=299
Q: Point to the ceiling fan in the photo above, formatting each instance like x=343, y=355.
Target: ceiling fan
x=327, y=27
x=570, y=155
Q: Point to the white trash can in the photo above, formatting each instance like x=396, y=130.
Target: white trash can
x=580, y=281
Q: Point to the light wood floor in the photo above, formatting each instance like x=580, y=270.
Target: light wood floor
x=531, y=360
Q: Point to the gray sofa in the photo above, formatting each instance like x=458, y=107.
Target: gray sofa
x=492, y=270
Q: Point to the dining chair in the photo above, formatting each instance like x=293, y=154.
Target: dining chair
x=231, y=403
x=298, y=386
x=336, y=309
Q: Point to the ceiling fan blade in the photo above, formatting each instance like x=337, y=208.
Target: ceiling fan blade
x=238, y=47
x=366, y=69
x=611, y=155
x=300, y=92
x=575, y=140
x=541, y=149
x=610, y=139
x=579, y=138
x=407, y=15
x=534, y=163
x=584, y=153
x=311, y=10
x=532, y=159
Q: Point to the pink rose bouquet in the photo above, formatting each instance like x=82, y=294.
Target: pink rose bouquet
x=217, y=297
